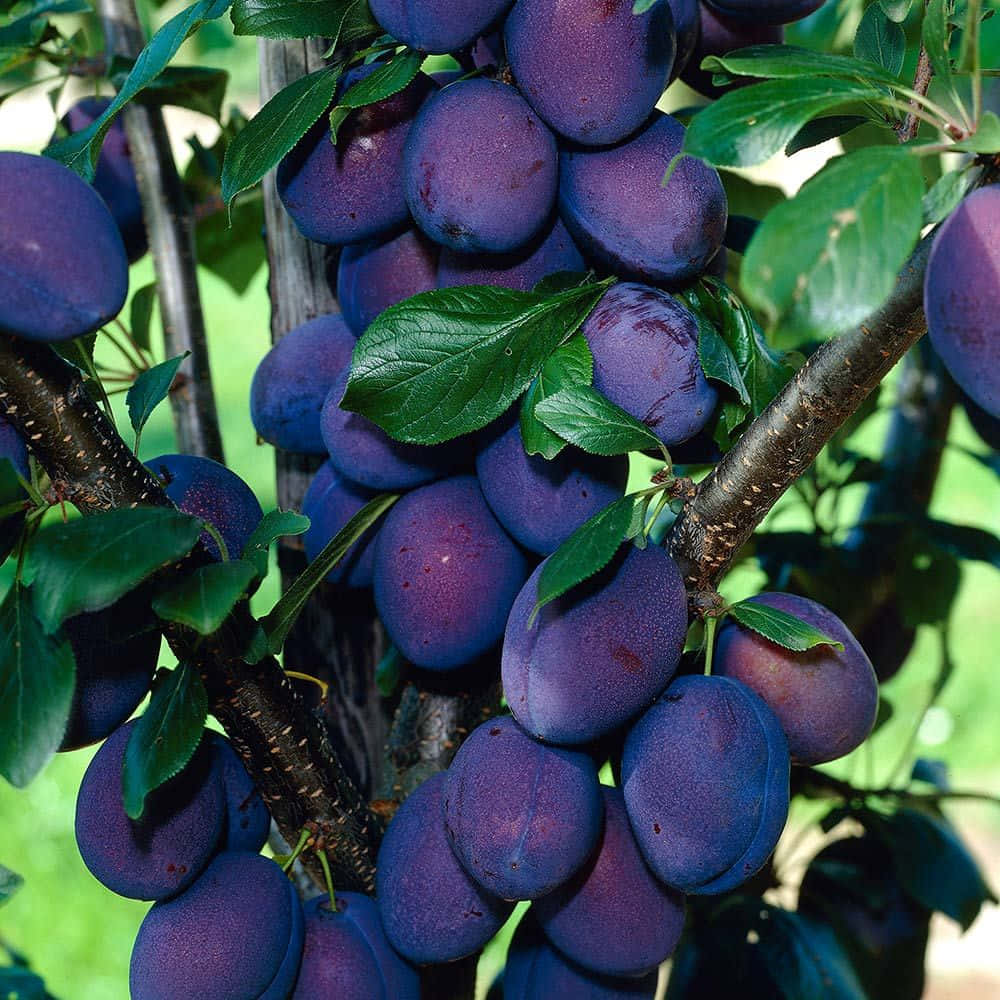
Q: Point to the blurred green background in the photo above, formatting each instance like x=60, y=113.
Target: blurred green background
x=78, y=936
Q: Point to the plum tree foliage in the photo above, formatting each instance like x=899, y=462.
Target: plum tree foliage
x=578, y=357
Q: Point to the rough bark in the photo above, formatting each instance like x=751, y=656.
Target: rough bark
x=788, y=435
x=170, y=228
x=283, y=745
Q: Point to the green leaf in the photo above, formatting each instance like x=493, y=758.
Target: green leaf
x=932, y=864
x=718, y=362
x=149, y=390
x=18, y=983
x=387, y=80
x=282, y=617
x=197, y=88
x=388, y=672
x=582, y=416
x=747, y=126
x=88, y=563
x=270, y=135
x=81, y=150
x=205, y=598
x=880, y=40
x=963, y=540
x=896, y=10
x=275, y=524
x=822, y=130
x=782, y=628
x=37, y=673
x=233, y=248
x=791, y=62
x=341, y=21
x=10, y=882
x=943, y=197
x=165, y=738
x=933, y=772
x=569, y=364
x=587, y=551
x=447, y=362
x=935, y=36
x=826, y=259
x=641, y=6
x=986, y=138
x=560, y=281
x=141, y=314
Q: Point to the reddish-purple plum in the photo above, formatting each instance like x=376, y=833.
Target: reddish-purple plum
x=705, y=774
x=766, y=11
x=379, y=273
x=352, y=191
x=718, y=35
x=522, y=817
x=536, y=971
x=600, y=653
x=613, y=917
x=825, y=698
x=62, y=261
x=248, y=819
x=362, y=452
x=540, y=502
x=592, y=70
x=437, y=26
x=617, y=207
x=645, y=348
x=336, y=959
x=236, y=933
x=164, y=851
x=293, y=380
x=446, y=574
x=113, y=674
x=330, y=502
x=962, y=296
x=114, y=177
x=431, y=910
x=206, y=489
x=480, y=169
x=552, y=250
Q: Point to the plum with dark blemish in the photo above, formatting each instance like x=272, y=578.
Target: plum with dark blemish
x=446, y=574
x=431, y=910
x=164, y=851
x=330, y=502
x=377, y=274
x=522, y=817
x=613, y=917
x=113, y=674
x=541, y=502
x=536, y=971
x=62, y=261
x=645, y=348
x=352, y=191
x=962, y=296
x=248, y=820
x=592, y=70
x=237, y=932
x=718, y=34
x=600, y=653
x=825, y=698
x=705, y=775
x=766, y=11
x=551, y=251
x=205, y=489
x=480, y=168
x=361, y=451
x=616, y=206
x=437, y=26
x=114, y=177
x=293, y=380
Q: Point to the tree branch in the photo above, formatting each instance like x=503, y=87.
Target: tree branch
x=921, y=83
x=283, y=745
x=785, y=439
x=170, y=227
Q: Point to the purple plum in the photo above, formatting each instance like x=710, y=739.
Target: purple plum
x=437, y=26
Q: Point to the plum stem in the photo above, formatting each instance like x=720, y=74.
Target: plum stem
x=711, y=624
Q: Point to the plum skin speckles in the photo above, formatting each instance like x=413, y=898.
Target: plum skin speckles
x=705, y=774
x=825, y=699
x=522, y=817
